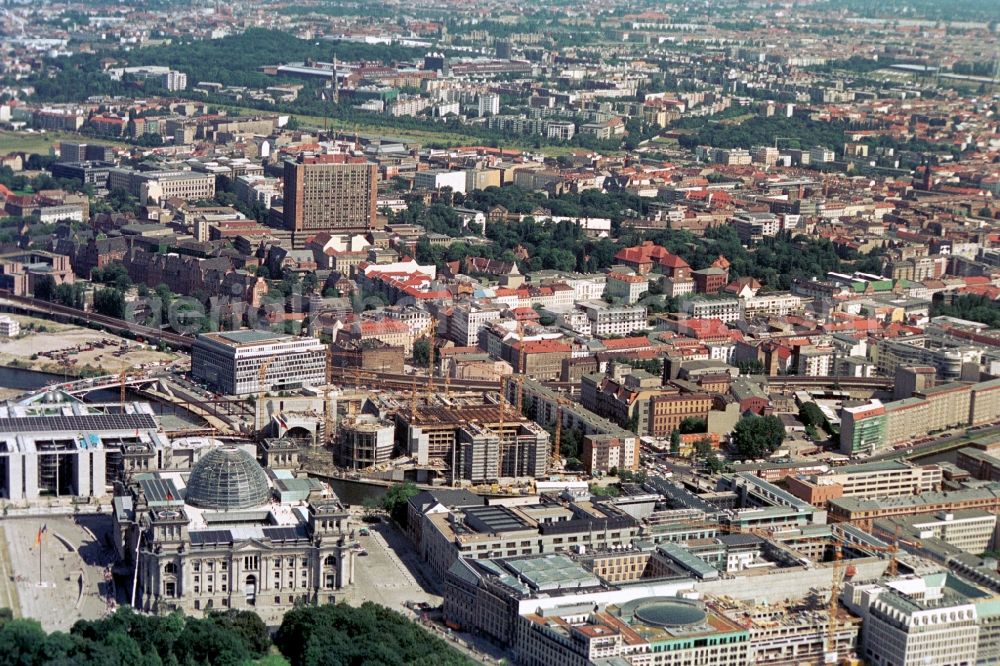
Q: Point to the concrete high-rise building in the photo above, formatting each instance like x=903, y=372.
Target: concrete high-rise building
x=73, y=151
x=862, y=428
x=488, y=103
x=330, y=193
x=364, y=441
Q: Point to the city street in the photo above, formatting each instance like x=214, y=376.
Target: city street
x=387, y=575
x=72, y=578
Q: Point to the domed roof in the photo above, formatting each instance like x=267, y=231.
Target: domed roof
x=227, y=478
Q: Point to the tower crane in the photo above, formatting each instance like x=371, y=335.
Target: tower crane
x=893, y=549
x=327, y=412
x=261, y=389
x=430, y=353
x=832, y=622
x=519, y=375
x=555, y=459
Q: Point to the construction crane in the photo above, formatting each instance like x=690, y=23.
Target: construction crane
x=500, y=426
x=893, y=549
x=519, y=376
x=429, y=332
x=124, y=379
x=327, y=412
x=261, y=390
x=555, y=459
x=413, y=396
x=832, y=622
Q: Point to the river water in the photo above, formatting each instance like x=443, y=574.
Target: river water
x=30, y=380
x=349, y=491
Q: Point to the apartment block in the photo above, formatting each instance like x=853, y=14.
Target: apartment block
x=948, y=405
x=603, y=453
x=726, y=310
x=608, y=319
x=984, y=403
x=882, y=479
x=626, y=288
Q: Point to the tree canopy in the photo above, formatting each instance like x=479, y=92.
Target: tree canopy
x=972, y=307
x=758, y=436
x=127, y=638
x=331, y=634
x=811, y=415
x=371, y=634
x=395, y=500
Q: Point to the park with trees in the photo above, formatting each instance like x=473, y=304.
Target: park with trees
x=308, y=636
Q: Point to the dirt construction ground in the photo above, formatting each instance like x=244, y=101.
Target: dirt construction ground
x=62, y=349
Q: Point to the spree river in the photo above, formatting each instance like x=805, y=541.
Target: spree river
x=19, y=379
x=349, y=491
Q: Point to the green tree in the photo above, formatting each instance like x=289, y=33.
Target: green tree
x=45, y=288
x=570, y=443
x=758, y=436
x=751, y=366
x=703, y=451
x=421, y=352
x=675, y=442
x=21, y=642
x=395, y=500
x=714, y=463
x=110, y=302
x=113, y=274
x=70, y=295
x=811, y=415
x=693, y=424
x=369, y=634
x=973, y=307
x=247, y=625
x=207, y=641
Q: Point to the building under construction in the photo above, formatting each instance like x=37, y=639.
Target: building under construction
x=364, y=441
x=477, y=443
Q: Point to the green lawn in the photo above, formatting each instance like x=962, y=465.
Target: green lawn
x=41, y=144
x=447, y=138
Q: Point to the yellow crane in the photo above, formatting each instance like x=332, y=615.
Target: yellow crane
x=327, y=412
x=833, y=613
x=503, y=409
x=893, y=549
x=519, y=374
x=262, y=389
x=555, y=459
x=430, y=333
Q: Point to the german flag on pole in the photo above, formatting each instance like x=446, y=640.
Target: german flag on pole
x=41, y=530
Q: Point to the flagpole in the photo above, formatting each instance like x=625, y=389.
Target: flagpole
x=40, y=558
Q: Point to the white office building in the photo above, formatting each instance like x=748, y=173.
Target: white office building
x=468, y=319
x=726, y=310
x=437, y=179
x=232, y=362
x=9, y=327
x=914, y=623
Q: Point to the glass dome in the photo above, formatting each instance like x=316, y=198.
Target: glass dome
x=227, y=478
